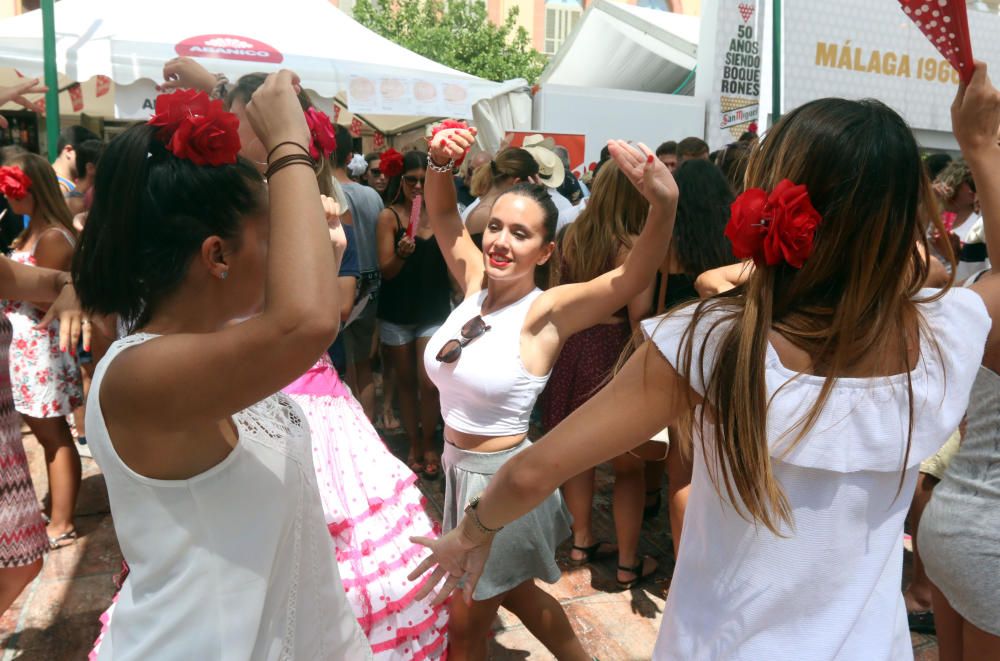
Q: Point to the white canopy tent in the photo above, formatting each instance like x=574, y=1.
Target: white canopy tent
x=618, y=46
x=391, y=88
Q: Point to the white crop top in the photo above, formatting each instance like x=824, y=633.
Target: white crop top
x=487, y=391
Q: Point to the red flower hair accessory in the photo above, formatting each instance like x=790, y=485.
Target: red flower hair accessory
x=324, y=138
x=449, y=124
x=14, y=183
x=391, y=163
x=773, y=228
x=197, y=128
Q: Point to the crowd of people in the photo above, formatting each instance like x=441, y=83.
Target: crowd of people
x=793, y=332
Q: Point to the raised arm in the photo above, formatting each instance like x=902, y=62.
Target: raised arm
x=646, y=396
x=976, y=120
x=183, y=380
x=569, y=309
x=465, y=260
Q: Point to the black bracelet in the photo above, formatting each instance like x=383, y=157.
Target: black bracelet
x=282, y=144
x=285, y=161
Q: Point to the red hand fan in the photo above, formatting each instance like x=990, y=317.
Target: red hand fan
x=946, y=24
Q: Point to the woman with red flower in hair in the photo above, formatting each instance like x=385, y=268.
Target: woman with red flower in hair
x=414, y=300
x=46, y=381
x=813, y=392
x=228, y=286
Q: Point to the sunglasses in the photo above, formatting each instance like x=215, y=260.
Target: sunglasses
x=413, y=181
x=375, y=172
x=452, y=349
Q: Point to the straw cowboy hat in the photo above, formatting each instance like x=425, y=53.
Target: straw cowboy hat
x=550, y=168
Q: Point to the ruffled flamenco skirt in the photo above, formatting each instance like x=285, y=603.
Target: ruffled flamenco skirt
x=372, y=508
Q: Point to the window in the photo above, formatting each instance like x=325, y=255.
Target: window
x=561, y=16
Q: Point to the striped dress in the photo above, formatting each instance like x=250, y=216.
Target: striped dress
x=22, y=529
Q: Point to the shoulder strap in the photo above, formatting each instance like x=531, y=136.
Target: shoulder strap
x=65, y=233
x=399, y=223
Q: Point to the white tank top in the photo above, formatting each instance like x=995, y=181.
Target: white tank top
x=233, y=564
x=487, y=391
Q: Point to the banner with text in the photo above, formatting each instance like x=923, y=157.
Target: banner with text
x=735, y=99
x=861, y=49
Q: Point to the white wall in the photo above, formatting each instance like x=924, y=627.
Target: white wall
x=605, y=114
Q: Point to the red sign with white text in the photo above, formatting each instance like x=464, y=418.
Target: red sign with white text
x=228, y=47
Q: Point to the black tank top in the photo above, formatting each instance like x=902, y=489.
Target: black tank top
x=421, y=292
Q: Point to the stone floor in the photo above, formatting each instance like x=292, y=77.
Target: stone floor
x=56, y=618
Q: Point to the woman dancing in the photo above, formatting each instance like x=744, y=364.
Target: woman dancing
x=492, y=358
x=46, y=381
x=209, y=473
x=815, y=389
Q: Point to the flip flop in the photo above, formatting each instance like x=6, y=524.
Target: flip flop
x=57, y=542
x=415, y=465
x=640, y=575
x=432, y=468
x=592, y=553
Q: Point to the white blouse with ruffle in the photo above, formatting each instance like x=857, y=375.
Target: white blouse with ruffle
x=829, y=588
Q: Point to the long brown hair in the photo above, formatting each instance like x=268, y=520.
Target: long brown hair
x=615, y=213
x=49, y=202
x=851, y=302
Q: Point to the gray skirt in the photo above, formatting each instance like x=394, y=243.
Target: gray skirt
x=525, y=548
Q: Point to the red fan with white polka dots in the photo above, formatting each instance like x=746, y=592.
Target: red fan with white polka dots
x=946, y=24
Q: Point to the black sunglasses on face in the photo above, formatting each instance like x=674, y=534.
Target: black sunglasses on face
x=375, y=172
x=452, y=349
x=413, y=181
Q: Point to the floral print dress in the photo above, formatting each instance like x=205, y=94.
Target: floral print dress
x=45, y=381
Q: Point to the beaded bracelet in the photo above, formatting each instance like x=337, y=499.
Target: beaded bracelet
x=285, y=161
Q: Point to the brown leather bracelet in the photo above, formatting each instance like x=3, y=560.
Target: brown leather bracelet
x=285, y=161
x=282, y=144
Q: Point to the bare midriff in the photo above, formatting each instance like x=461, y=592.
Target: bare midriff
x=477, y=443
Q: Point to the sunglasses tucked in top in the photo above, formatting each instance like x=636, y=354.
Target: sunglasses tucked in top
x=452, y=349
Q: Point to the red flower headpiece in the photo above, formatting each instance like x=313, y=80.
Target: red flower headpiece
x=449, y=124
x=14, y=183
x=324, y=138
x=391, y=163
x=775, y=228
x=196, y=128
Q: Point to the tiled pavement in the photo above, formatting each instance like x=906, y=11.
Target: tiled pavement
x=56, y=618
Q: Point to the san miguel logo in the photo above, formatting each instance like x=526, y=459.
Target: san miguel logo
x=228, y=47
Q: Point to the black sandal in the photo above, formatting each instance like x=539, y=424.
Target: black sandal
x=592, y=553
x=640, y=576
x=921, y=622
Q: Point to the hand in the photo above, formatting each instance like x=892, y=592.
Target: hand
x=723, y=278
x=647, y=173
x=456, y=556
x=405, y=247
x=72, y=321
x=337, y=236
x=16, y=94
x=275, y=113
x=185, y=73
x=942, y=190
x=451, y=145
x=975, y=113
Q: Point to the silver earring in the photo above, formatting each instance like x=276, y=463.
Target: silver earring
x=224, y=275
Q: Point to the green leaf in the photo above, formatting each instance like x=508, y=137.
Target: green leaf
x=456, y=34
